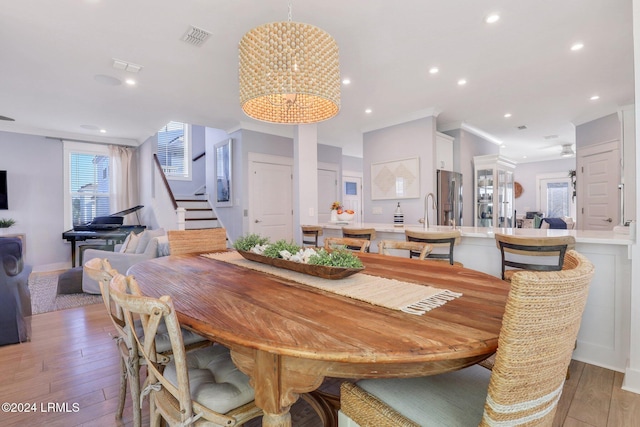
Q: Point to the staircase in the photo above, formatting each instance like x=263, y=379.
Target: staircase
x=198, y=213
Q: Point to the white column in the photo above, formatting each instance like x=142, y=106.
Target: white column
x=632, y=374
x=305, y=177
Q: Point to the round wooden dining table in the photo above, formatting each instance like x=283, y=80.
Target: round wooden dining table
x=287, y=336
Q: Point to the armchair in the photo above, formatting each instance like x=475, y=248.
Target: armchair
x=149, y=246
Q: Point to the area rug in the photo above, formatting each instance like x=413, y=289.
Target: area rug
x=43, y=287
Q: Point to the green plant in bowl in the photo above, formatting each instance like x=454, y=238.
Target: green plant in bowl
x=6, y=222
x=273, y=249
x=336, y=258
x=248, y=241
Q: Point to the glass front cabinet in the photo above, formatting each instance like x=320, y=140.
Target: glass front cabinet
x=493, y=194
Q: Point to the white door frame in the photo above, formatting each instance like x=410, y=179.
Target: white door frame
x=262, y=158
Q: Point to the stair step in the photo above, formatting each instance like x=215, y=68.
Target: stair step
x=196, y=223
x=200, y=213
x=194, y=204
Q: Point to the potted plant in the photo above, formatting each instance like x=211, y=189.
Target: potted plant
x=6, y=223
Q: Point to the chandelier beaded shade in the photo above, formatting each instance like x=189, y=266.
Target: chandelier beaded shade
x=289, y=73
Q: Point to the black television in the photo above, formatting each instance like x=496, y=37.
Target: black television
x=4, y=198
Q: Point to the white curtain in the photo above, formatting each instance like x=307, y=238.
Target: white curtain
x=124, y=180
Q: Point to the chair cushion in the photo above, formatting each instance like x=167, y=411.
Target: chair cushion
x=452, y=399
x=163, y=343
x=214, y=380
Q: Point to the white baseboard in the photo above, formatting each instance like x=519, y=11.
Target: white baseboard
x=51, y=267
x=631, y=380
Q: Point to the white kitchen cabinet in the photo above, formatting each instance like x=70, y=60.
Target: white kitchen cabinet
x=444, y=151
x=493, y=191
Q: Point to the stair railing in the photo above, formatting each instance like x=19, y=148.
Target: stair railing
x=165, y=181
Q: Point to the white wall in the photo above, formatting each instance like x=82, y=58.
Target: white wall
x=399, y=142
x=34, y=168
x=526, y=173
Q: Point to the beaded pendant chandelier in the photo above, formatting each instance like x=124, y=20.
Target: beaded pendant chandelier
x=289, y=73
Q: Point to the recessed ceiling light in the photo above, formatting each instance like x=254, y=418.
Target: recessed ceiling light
x=492, y=19
x=346, y=81
x=103, y=131
x=595, y=97
x=462, y=82
x=577, y=46
x=434, y=70
x=368, y=111
x=506, y=116
x=130, y=82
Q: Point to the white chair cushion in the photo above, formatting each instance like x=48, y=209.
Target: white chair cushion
x=163, y=343
x=453, y=399
x=214, y=380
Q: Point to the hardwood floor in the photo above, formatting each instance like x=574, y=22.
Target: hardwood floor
x=69, y=373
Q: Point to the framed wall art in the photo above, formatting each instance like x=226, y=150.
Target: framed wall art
x=224, y=184
x=398, y=179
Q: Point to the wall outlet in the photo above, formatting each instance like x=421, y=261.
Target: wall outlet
x=377, y=210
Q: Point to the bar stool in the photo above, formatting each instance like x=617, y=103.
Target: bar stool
x=358, y=245
x=421, y=248
x=517, y=252
x=439, y=239
x=310, y=234
x=359, y=233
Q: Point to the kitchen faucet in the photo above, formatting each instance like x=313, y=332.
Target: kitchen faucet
x=426, y=208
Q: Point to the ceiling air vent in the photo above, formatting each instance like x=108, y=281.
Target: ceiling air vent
x=522, y=127
x=196, y=36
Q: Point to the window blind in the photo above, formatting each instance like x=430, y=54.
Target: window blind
x=89, y=186
x=173, y=150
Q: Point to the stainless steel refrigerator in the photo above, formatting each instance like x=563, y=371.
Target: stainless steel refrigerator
x=449, y=198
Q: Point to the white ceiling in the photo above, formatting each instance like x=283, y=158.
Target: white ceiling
x=52, y=51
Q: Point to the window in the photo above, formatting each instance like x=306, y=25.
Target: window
x=174, y=150
x=556, y=195
x=87, y=182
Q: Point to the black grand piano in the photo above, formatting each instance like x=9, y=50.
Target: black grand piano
x=108, y=228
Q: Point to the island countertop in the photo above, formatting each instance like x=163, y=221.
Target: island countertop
x=604, y=335
x=582, y=236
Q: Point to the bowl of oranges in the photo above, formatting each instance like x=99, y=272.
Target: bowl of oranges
x=346, y=215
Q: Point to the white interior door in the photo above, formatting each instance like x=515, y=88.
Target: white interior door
x=271, y=200
x=327, y=191
x=598, y=179
x=352, y=195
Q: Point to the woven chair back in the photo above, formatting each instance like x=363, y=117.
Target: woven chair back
x=422, y=249
x=518, y=252
x=438, y=239
x=100, y=270
x=197, y=241
x=539, y=328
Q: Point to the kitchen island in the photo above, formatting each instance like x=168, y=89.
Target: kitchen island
x=604, y=337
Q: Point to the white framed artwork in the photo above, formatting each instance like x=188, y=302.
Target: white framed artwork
x=397, y=179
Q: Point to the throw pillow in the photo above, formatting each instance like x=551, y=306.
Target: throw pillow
x=130, y=244
x=145, y=238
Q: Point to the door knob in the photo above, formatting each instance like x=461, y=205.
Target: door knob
x=608, y=220
x=257, y=221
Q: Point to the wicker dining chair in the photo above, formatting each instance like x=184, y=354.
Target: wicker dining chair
x=197, y=241
x=418, y=247
x=438, y=239
x=518, y=253
x=101, y=271
x=531, y=361
x=202, y=387
x=357, y=245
